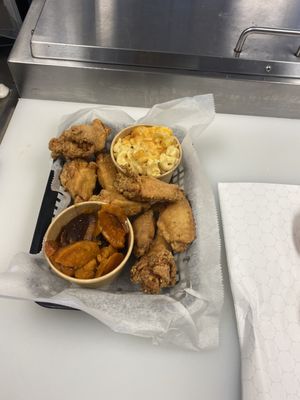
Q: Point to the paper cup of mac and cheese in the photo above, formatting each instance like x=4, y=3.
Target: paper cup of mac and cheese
x=150, y=150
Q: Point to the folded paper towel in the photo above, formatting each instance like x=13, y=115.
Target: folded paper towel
x=261, y=224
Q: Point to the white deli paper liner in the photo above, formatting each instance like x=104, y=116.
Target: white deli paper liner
x=186, y=315
x=261, y=224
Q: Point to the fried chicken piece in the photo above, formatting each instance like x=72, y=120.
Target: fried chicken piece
x=176, y=224
x=156, y=269
x=80, y=141
x=146, y=188
x=159, y=244
x=115, y=198
x=106, y=171
x=144, y=231
x=78, y=177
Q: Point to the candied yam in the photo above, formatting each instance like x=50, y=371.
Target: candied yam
x=74, y=230
x=109, y=264
x=118, y=212
x=50, y=247
x=65, y=270
x=113, y=261
x=105, y=253
x=87, y=271
x=100, y=269
x=112, y=229
x=77, y=254
x=98, y=227
x=91, y=228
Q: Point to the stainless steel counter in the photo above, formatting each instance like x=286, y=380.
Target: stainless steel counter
x=190, y=35
x=45, y=78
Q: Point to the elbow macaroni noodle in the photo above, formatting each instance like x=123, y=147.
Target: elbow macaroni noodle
x=150, y=151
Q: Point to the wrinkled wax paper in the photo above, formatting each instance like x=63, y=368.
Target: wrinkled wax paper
x=186, y=315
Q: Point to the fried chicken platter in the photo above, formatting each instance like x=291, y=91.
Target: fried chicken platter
x=160, y=212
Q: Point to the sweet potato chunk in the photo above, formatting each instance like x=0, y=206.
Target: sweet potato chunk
x=105, y=253
x=87, y=271
x=77, y=254
x=51, y=246
x=98, y=227
x=76, y=229
x=90, y=232
x=112, y=229
x=113, y=261
x=118, y=212
x=109, y=264
x=70, y=271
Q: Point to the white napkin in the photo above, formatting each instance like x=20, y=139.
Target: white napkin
x=261, y=224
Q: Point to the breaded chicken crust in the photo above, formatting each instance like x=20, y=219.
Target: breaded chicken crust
x=79, y=177
x=115, y=198
x=146, y=188
x=80, y=141
x=156, y=269
x=106, y=171
x=144, y=231
x=176, y=224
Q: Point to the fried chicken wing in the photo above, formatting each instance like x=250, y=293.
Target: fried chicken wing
x=106, y=171
x=80, y=141
x=176, y=224
x=144, y=231
x=146, y=188
x=156, y=269
x=113, y=197
x=159, y=244
x=78, y=177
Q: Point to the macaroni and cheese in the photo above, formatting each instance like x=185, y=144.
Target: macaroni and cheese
x=150, y=151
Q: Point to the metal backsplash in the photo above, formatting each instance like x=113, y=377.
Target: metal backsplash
x=97, y=65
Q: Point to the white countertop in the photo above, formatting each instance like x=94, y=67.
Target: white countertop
x=47, y=354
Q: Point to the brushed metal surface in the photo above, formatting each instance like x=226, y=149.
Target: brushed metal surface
x=190, y=34
x=10, y=20
x=140, y=86
x=264, y=31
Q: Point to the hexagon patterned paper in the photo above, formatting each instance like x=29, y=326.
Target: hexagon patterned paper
x=261, y=224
